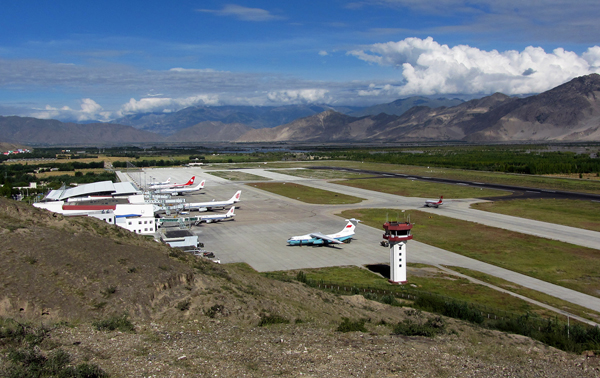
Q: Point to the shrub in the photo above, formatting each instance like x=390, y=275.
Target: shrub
x=301, y=277
x=121, y=323
x=30, y=362
x=183, y=305
x=271, y=319
x=430, y=328
x=352, y=326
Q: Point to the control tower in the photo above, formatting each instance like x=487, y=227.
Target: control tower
x=397, y=234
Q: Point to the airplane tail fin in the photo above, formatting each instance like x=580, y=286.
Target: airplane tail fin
x=168, y=180
x=236, y=196
x=202, y=184
x=231, y=212
x=350, y=226
x=191, y=181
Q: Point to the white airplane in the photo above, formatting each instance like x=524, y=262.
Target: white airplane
x=182, y=190
x=216, y=217
x=213, y=204
x=434, y=203
x=170, y=186
x=160, y=183
x=317, y=238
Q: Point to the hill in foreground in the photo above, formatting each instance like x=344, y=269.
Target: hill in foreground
x=196, y=318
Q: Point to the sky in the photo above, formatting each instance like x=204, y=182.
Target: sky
x=82, y=61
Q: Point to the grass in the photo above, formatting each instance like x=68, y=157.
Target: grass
x=321, y=173
x=563, y=264
x=238, y=176
x=414, y=188
x=307, y=194
x=429, y=279
x=574, y=213
x=542, y=182
x=529, y=293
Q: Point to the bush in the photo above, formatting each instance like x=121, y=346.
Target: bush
x=352, y=326
x=301, y=277
x=271, y=319
x=121, y=323
x=183, y=305
x=30, y=362
x=430, y=328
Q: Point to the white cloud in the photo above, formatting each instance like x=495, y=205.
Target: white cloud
x=165, y=104
x=90, y=110
x=323, y=53
x=243, y=13
x=298, y=96
x=431, y=68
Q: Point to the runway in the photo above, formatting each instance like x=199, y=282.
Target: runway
x=264, y=221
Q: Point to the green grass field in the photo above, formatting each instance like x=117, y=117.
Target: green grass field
x=326, y=174
x=536, y=295
x=306, y=194
x=414, y=188
x=430, y=279
x=567, y=265
x=574, y=213
x=542, y=182
x=238, y=176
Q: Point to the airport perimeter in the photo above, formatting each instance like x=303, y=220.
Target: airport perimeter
x=264, y=221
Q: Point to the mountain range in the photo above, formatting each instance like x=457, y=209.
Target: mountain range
x=569, y=112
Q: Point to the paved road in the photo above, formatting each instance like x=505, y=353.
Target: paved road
x=264, y=221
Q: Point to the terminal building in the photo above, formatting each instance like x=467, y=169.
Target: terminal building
x=121, y=204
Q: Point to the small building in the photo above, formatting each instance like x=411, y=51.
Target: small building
x=180, y=238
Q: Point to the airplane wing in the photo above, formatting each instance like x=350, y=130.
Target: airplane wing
x=325, y=238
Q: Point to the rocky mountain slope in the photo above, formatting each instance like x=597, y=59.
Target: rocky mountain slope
x=33, y=131
x=192, y=317
x=569, y=112
x=208, y=131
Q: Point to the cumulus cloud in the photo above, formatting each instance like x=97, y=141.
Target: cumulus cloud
x=298, y=96
x=323, y=53
x=243, y=13
x=163, y=104
x=90, y=111
x=429, y=68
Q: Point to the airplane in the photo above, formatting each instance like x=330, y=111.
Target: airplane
x=317, y=238
x=210, y=205
x=216, y=217
x=434, y=203
x=174, y=185
x=160, y=183
x=182, y=190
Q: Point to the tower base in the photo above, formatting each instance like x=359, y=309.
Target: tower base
x=397, y=282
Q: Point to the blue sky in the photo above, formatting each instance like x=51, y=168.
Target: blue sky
x=74, y=60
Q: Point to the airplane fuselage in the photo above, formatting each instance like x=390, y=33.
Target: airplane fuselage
x=314, y=241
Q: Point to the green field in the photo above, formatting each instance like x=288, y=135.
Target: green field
x=567, y=265
x=306, y=193
x=536, y=295
x=326, y=174
x=414, y=188
x=238, y=176
x=430, y=279
x=574, y=213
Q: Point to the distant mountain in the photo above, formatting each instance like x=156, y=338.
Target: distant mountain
x=255, y=117
x=33, y=131
x=399, y=107
x=209, y=132
x=568, y=112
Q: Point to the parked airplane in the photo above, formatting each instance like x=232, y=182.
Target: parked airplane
x=182, y=190
x=317, y=238
x=217, y=217
x=174, y=185
x=160, y=183
x=213, y=204
x=434, y=203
